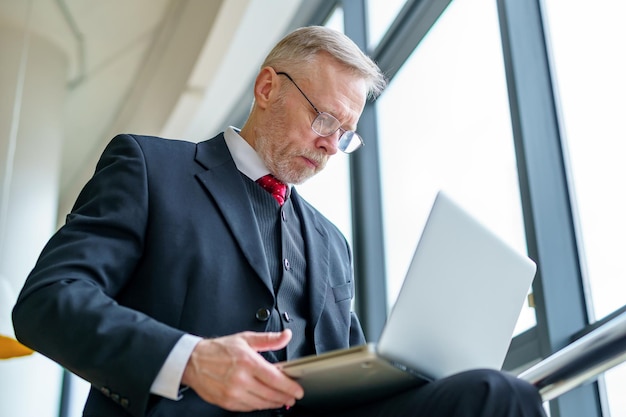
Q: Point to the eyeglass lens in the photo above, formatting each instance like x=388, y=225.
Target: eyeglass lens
x=326, y=124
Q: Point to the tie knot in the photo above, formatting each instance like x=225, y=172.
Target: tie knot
x=273, y=186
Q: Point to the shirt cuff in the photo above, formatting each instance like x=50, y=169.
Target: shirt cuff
x=167, y=382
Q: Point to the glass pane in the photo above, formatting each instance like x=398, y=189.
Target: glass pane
x=329, y=191
x=590, y=66
x=615, y=380
x=445, y=124
x=381, y=15
x=587, y=42
x=335, y=20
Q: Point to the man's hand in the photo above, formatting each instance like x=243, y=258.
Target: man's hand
x=229, y=372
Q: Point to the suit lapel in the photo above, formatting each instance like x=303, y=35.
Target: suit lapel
x=223, y=182
x=317, y=254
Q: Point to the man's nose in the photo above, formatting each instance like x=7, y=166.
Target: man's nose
x=329, y=143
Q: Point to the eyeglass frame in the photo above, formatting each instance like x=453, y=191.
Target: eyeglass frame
x=346, y=136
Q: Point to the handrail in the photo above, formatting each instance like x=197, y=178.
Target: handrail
x=581, y=361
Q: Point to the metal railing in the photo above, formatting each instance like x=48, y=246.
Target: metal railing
x=581, y=361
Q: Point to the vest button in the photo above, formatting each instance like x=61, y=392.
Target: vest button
x=263, y=314
x=286, y=263
x=283, y=215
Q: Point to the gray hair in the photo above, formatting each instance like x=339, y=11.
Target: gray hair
x=303, y=45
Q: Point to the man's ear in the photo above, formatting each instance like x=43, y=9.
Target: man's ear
x=265, y=86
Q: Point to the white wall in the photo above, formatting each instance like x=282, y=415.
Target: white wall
x=32, y=82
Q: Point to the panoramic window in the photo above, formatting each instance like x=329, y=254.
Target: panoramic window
x=589, y=68
x=444, y=123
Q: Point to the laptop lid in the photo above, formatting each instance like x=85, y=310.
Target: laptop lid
x=461, y=297
x=456, y=310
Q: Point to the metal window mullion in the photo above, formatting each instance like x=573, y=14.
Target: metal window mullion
x=558, y=288
x=408, y=29
x=367, y=218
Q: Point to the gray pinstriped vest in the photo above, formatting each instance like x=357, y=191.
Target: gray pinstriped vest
x=285, y=253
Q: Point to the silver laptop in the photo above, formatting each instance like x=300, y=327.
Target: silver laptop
x=456, y=310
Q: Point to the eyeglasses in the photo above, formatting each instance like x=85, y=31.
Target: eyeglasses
x=325, y=124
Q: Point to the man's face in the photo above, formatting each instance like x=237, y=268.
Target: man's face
x=291, y=150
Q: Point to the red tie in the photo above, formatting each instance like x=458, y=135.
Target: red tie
x=273, y=186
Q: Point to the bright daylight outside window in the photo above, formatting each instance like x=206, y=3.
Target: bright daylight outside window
x=380, y=16
x=444, y=123
x=587, y=42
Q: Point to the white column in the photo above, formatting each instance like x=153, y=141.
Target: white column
x=29, y=169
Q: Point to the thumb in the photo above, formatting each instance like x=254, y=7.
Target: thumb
x=262, y=342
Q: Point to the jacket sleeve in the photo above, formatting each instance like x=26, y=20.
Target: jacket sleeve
x=356, y=332
x=67, y=309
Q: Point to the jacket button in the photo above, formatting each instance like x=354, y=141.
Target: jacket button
x=263, y=314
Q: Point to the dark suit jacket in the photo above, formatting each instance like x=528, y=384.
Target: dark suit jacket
x=162, y=241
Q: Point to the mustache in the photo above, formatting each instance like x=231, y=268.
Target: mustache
x=318, y=158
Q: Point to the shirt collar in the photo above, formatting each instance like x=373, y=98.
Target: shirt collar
x=246, y=158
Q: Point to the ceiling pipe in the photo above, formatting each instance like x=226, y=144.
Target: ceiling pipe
x=80, y=43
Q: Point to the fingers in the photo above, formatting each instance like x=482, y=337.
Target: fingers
x=229, y=372
x=271, y=376
x=263, y=392
x=262, y=342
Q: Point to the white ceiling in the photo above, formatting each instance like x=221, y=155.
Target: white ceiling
x=164, y=67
